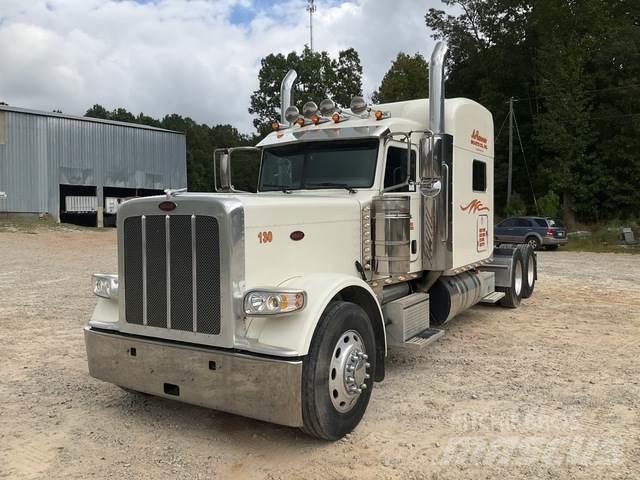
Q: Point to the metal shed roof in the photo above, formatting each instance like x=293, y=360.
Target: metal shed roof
x=8, y=108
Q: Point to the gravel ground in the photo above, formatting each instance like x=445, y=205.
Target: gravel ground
x=546, y=391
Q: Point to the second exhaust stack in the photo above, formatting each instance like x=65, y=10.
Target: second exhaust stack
x=436, y=87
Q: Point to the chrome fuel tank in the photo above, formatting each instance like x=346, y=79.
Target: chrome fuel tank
x=392, y=244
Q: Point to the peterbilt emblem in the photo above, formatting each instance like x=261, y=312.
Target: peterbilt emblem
x=297, y=235
x=167, y=206
x=474, y=206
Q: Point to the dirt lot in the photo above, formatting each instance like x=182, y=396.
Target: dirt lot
x=546, y=391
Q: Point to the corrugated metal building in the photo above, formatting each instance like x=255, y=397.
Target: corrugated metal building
x=45, y=157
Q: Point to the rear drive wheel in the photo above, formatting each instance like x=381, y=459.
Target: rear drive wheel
x=338, y=372
x=534, y=242
x=513, y=293
x=530, y=263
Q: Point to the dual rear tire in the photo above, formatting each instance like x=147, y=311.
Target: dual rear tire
x=524, y=272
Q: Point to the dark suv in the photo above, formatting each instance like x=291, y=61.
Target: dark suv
x=536, y=231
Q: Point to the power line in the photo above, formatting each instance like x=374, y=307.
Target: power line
x=626, y=87
x=526, y=166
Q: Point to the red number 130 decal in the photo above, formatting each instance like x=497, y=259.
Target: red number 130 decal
x=265, y=237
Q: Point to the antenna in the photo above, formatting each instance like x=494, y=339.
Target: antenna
x=311, y=8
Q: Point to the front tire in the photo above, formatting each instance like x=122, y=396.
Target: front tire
x=337, y=374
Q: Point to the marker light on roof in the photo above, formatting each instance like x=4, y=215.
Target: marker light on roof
x=358, y=105
x=291, y=114
x=327, y=107
x=309, y=109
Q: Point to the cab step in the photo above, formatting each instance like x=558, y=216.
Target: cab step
x=422, y=339
x=493, y=297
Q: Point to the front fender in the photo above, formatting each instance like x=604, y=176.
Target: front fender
x=294, y=331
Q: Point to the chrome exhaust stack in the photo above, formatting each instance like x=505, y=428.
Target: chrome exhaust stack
x=436, y=87
x=286, y=95
x=436, y=153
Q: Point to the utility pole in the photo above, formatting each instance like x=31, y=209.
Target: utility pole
x=510, y=150
x=311, y=8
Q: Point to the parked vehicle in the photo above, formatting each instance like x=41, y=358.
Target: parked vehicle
x=280, y=305
x=536, y=231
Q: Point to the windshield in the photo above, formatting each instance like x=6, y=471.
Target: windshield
x=348, y=164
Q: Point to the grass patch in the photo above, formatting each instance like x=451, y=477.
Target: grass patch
x=602, y=239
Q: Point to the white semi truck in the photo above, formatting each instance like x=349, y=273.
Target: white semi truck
x=370, y=226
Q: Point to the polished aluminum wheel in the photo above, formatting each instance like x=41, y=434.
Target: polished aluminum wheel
x=531, y=271
x=348, y=371
x=517, y=280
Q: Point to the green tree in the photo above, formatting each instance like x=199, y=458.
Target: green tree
x=407, y=79
x=319, y=76
x=516, y=207
x=549, y=205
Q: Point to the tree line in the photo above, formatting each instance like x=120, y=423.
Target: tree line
x=572, y=67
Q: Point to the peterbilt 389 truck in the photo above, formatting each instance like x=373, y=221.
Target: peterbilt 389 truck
x=371, y=227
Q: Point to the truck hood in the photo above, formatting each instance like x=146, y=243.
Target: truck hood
x=293, y=209
x=327, y=236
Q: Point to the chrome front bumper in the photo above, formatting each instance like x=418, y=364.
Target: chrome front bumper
x=256, y=387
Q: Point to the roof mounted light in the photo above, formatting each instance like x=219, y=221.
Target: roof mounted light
x=309, y=109
x=338, y=117
x=380, y=115
x=291, y=114
x=327, y=107
x=358, y=105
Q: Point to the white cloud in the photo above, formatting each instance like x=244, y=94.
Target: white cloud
x=184, y=56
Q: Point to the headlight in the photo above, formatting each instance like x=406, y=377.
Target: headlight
x=105, y=285
x=265, y=302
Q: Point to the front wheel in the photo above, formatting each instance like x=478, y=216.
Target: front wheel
x=338, y=372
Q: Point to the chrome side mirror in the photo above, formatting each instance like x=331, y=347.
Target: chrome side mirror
x=430, y=187
x=225, y=172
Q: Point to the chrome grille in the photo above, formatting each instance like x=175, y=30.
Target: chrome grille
x=172, y=272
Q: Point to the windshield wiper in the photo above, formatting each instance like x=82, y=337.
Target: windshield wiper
x=330, y=184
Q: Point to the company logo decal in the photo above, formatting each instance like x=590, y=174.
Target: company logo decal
x=478, y=140
x=474, y=206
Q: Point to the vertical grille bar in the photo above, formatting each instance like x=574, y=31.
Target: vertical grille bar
x=133, y=270
x=194, y=270
x=208, y=275
x=181, y=273
x=156, y=276
x=144, y=269
x=167, y=253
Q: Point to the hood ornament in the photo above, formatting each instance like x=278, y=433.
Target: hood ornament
x=170, y=193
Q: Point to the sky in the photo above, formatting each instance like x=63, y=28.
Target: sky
x=197, y=58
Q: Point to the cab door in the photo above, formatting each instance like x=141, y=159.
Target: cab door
x=396, y=169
